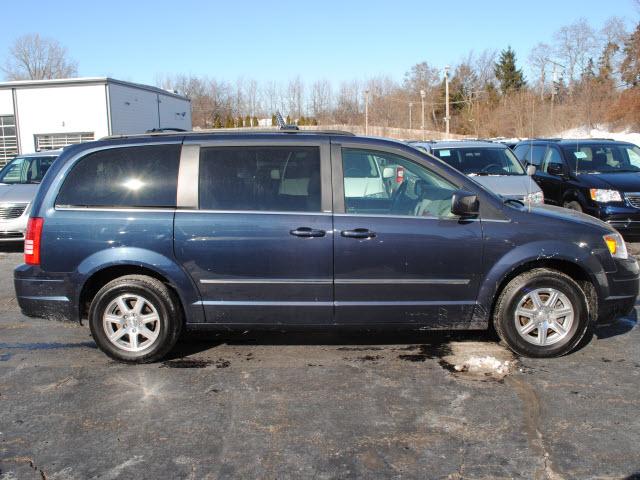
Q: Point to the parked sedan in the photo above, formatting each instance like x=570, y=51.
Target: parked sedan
x=491, y=164
x=19, y=181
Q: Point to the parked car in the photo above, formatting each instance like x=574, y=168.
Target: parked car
x=597, y=177
x=19, y=181
x=151, y=235
x=489, y=163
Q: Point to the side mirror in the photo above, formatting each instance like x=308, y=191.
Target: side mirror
x=388, y=172
x=556, y=169
x=465, y=204
x=531, y=170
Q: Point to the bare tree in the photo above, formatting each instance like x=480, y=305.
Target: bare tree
x=539, y=61
x=576, y=44
x=320, y=99
x=295, y=93
x=32, y=57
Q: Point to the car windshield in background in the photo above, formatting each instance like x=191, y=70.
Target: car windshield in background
x=481, y=161
x=603, y=158
x=23, y=170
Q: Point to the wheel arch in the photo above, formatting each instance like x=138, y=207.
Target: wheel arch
x=96, y=274
x=584, y=269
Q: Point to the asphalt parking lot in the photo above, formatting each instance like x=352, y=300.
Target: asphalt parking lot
x=313, y=405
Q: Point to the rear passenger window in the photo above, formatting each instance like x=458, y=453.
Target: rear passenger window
x=124, y=177
x=260, y=178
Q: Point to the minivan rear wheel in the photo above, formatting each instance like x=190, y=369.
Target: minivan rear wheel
x=135, y=319
x=542, y=313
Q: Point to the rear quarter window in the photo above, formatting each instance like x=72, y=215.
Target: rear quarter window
x=144, y=176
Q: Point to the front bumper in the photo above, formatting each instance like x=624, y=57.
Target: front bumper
x=625, y=219
x=13, y=230
x=623, y=290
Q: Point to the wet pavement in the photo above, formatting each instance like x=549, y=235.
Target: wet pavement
x=313, y=405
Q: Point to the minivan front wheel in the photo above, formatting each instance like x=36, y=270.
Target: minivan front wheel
x=542, y=313
x=135, y=318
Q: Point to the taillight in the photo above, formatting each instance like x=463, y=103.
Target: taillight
x=399, y=174
x=32, y=241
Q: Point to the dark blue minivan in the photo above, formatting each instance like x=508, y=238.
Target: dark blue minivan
x=149, y=235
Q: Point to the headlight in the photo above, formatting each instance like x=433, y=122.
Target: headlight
x=534, y=198
x=604, y=196
x=616, y=245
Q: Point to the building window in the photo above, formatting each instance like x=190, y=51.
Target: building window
x=8, y=139
x=59, y=140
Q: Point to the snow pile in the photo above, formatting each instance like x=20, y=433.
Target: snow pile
x=601, y=132
x=482, y=365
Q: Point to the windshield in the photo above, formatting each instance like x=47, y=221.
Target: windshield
x=23, y=170
x=603, y=158
x=481, y=160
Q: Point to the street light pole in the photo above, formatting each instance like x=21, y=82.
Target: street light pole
x=422, y=95
x=446, y=94
x=366, y=112
x=410, y=106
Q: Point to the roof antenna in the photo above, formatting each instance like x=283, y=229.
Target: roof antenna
x=282, y=124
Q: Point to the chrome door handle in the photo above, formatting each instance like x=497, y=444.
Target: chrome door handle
x=307, y=232
x=358, y=233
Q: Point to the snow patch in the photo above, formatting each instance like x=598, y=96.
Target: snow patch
x=482, y=365
x=601, y=131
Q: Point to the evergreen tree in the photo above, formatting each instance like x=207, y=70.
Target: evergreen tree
x=239, y=122
x=254, y=122
x=247, y=121
x=288, y=120
x=217, y=122
x=630, y=68
x=508, y=74
x=274, y=122
x=228, y=123
x=589, y=72
x=605, y=69
x=302, y=121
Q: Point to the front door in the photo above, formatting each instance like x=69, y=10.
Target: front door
x=260, y=246
x=401, y=256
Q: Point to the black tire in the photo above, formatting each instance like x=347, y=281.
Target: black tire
x=504, y=313
x=573, y=205
x=155, y=293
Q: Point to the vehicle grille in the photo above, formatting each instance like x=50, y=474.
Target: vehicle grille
x=633, y=199
x=8, y=212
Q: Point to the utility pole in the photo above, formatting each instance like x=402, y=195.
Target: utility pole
x=366, y=112
x=423, y=94
x=446, y=94
x=410, y=106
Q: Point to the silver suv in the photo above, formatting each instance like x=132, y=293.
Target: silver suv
x=19, y=181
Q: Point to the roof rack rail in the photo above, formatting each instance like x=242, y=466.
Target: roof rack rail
x=164, y=130
x=229, y=131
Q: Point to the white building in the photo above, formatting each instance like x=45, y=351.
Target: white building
x=47, y=114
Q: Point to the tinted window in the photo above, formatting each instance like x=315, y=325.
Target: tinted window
x=415, y=192
x=260, y=178
x=552, y=156
x=537, y=153
x=522, y=152
x=603, y=158
x=26, y=169
x=124, y=177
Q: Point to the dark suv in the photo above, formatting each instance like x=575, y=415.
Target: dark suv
x=146, y=236
x=598, y=177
